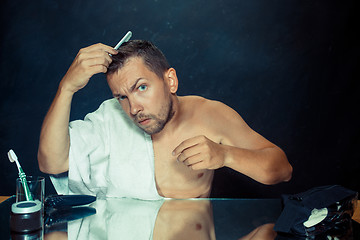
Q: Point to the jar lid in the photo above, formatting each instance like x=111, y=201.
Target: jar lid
x=26, y=207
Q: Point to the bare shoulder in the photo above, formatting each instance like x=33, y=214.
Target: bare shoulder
x=212, y=113
x=222, y=121
x=209, y=108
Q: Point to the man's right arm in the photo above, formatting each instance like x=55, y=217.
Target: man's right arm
x=54, y=145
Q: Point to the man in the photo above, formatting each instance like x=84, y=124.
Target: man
x=179, y=140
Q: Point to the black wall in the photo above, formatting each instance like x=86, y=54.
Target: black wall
x=288, y=67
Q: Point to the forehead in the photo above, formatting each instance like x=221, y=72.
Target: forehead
x=133, y=69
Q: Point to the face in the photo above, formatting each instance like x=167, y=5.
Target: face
x=144, y=96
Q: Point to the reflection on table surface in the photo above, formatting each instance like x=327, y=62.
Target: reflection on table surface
x=165, y=219
x=175, y=219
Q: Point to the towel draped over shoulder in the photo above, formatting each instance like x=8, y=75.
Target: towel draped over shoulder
x=109, y=157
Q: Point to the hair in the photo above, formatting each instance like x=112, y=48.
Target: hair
x=153, y=58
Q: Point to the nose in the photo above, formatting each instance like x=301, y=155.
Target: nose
x=135, y=107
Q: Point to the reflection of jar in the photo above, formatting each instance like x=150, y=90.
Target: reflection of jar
x=38, y=234
x=26, y=217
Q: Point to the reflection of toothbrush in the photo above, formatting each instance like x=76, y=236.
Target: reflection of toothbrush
x=13, y=158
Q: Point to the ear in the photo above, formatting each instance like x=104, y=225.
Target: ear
x=172, y=80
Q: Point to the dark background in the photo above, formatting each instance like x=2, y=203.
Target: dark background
x=290, y=68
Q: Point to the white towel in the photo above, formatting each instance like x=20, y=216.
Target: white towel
x=109, y=157
x=117, y=219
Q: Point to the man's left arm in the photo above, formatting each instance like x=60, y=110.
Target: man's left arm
x=238, y=147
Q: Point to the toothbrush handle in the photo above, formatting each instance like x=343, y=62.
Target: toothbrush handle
x=25, y=185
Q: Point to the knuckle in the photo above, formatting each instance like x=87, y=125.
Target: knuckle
x=82, y=50
x=202, y=137
x=80, y=59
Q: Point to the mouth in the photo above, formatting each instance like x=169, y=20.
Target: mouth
x=144, y=121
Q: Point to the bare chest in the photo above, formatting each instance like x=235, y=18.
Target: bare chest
x=175, y=179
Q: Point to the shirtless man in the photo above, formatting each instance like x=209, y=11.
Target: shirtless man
x=191, y=135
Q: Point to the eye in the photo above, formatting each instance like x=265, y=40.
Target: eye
x=120, y=98
x=142, y=87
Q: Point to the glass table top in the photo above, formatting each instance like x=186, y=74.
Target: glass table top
x=163, y=219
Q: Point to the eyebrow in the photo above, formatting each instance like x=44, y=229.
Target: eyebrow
x=134, y=85
x=130, y=89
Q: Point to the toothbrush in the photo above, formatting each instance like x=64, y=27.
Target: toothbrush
x=124, y=39
x=13, y=158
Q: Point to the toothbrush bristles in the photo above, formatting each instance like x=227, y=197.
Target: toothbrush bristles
x=12, y=156
x=11, y=160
